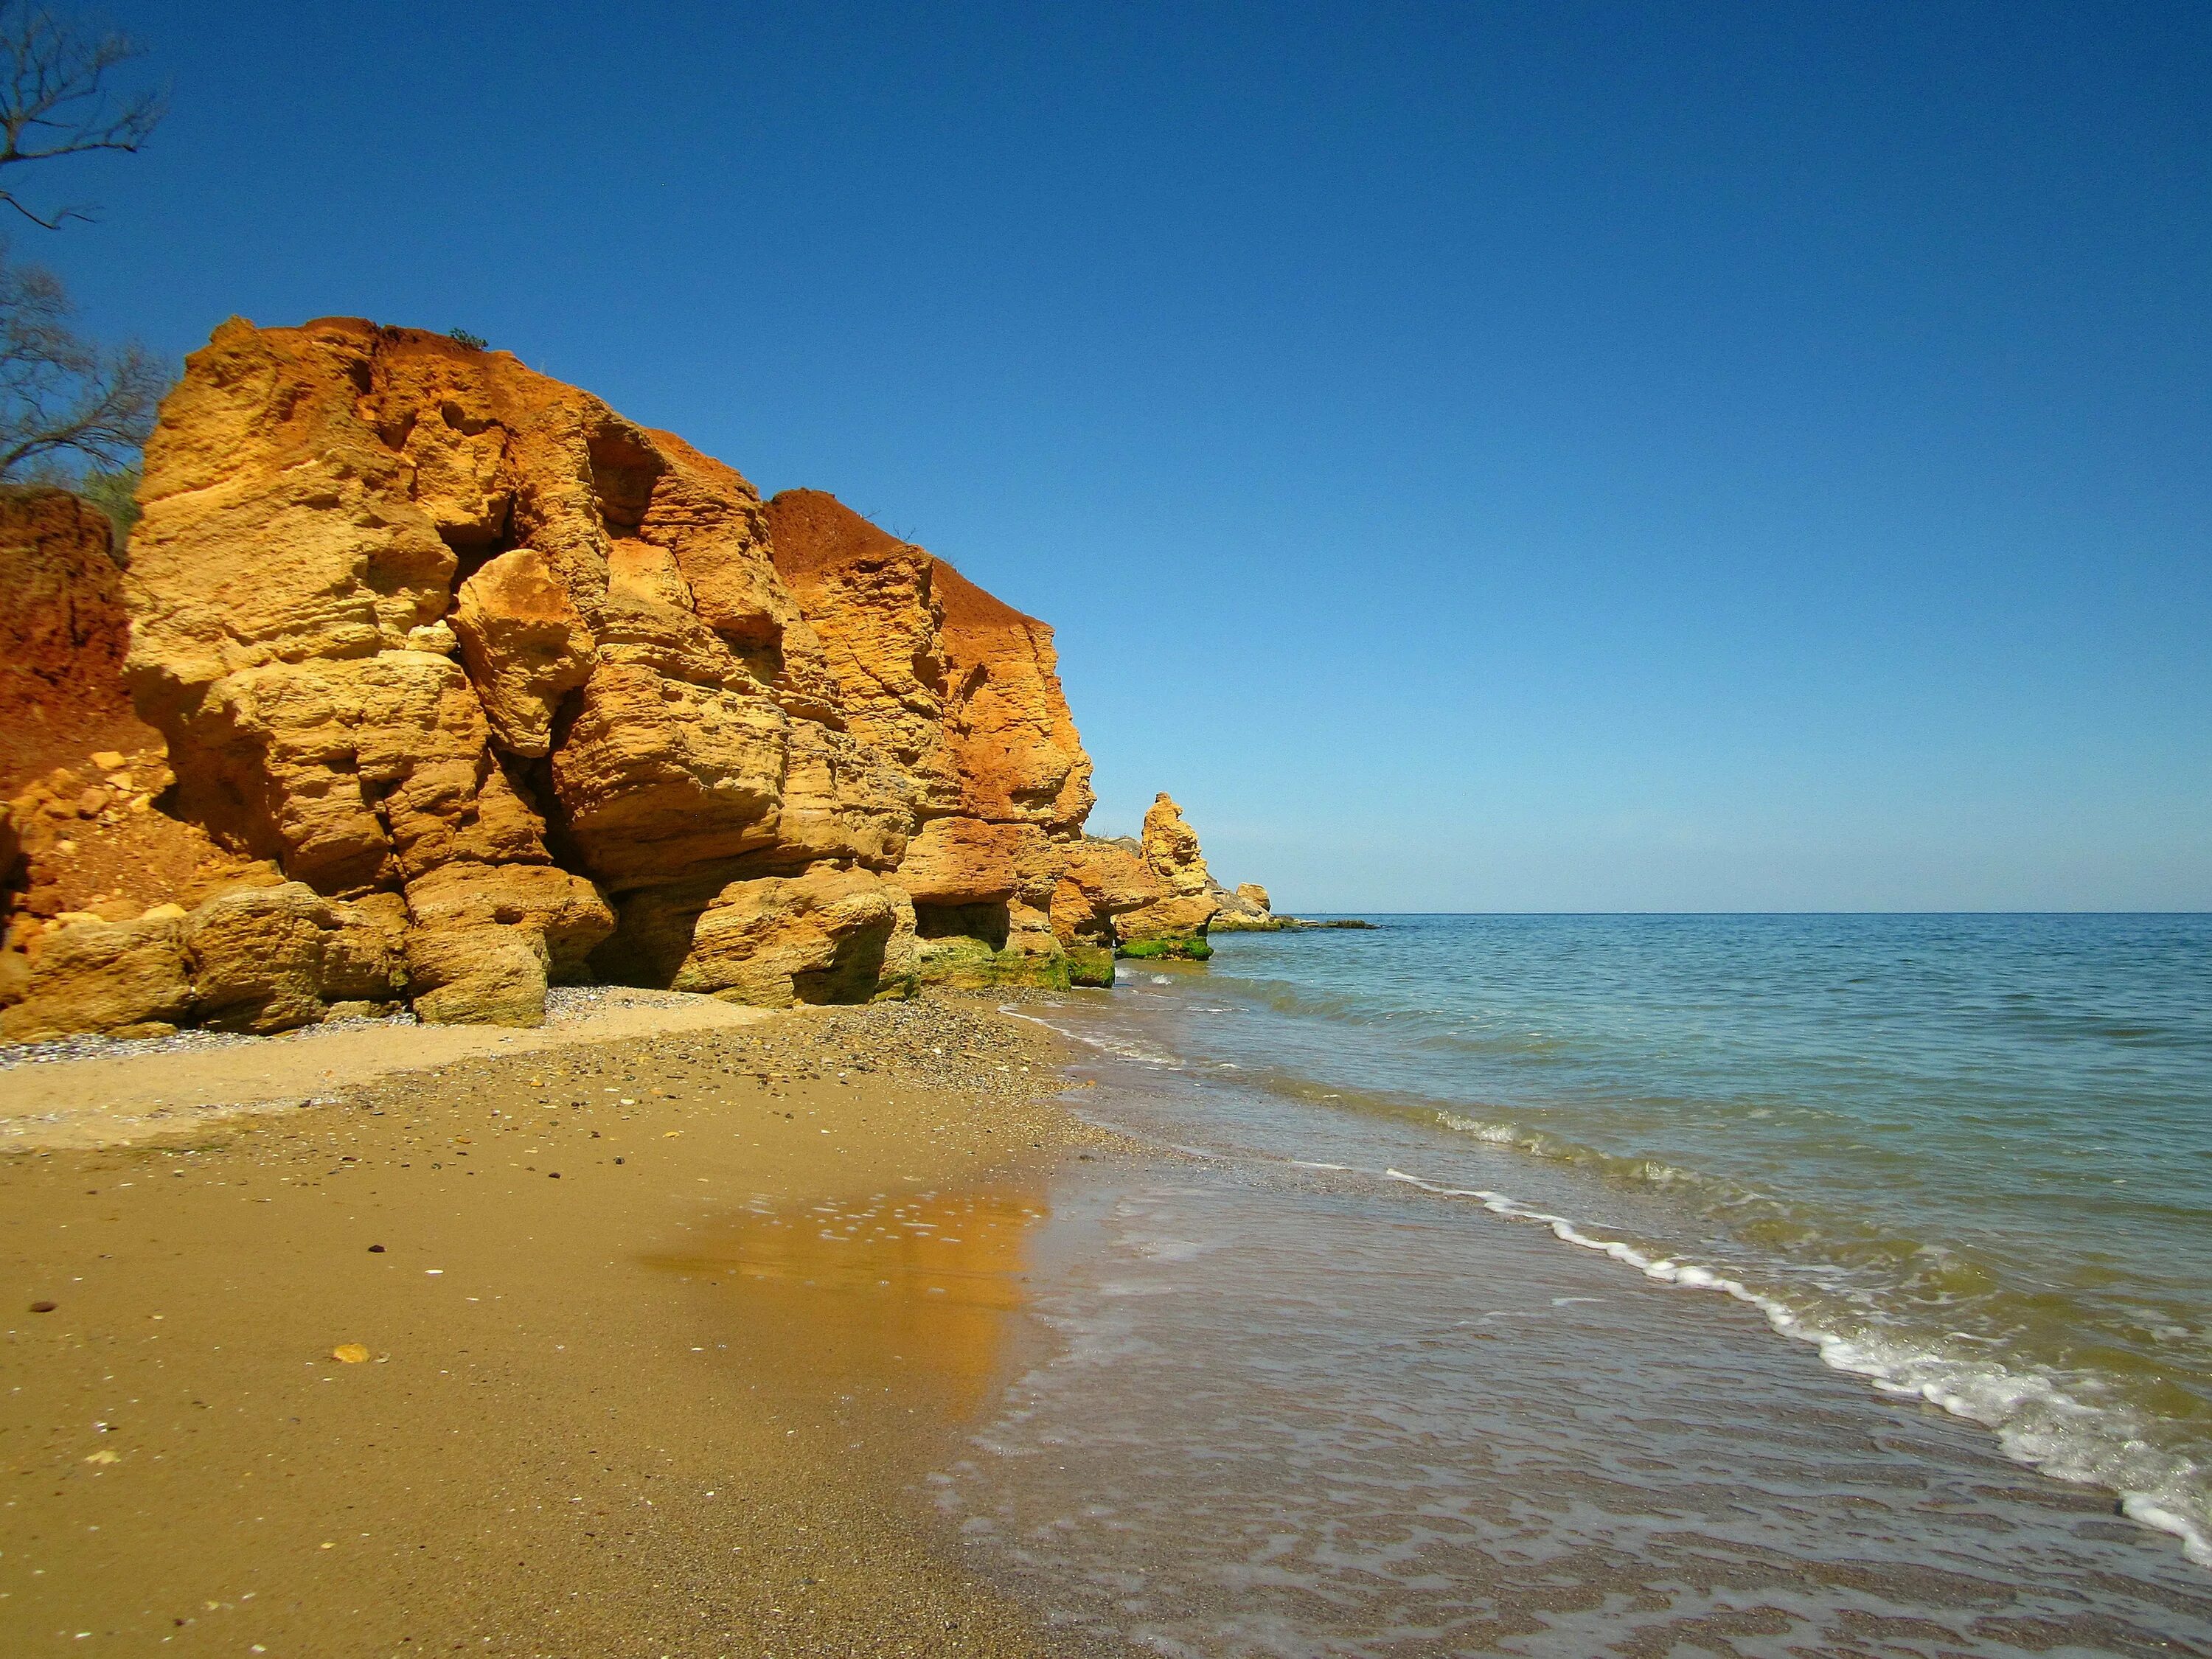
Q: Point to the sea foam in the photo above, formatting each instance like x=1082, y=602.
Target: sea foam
x=2036, y=1421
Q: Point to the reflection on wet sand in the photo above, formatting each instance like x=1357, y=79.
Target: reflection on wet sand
x=915, y=1290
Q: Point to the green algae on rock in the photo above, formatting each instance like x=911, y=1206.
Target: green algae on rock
x=1178, y=947
x=1091, y=965
x=974, y=964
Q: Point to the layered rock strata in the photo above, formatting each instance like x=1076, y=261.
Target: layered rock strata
x=516, y=691
x=960, y=694
x=257, y=959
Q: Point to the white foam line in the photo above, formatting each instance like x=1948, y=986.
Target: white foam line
x=1120, y=1049
x=1988, y=1394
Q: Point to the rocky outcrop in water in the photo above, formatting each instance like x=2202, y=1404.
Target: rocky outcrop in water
x=470, y=685
x=1247, y=910
x=1181, y=898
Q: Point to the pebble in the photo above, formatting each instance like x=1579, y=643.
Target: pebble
x=184, y=1043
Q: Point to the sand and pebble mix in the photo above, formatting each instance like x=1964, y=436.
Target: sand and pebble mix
x=531, y=1350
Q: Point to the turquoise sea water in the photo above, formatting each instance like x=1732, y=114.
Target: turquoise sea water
x=1969, y=1155
x=1510, y=1249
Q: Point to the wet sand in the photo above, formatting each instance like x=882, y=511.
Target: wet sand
x=660, y=1335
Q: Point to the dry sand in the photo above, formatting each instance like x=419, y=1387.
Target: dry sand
x=662, y=1334
x=126, y=1091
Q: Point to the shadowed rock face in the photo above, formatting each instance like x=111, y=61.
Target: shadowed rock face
x=418, y=621
x=63, y=634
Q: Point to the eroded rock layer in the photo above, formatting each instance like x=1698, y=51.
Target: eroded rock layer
x=961, y=693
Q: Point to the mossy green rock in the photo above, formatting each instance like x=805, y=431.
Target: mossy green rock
x=900, y=987
x=971, y=964
x=1092, y=965
x=1180, y=947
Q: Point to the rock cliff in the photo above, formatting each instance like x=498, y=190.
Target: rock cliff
x=960, y=694
x=470, y=685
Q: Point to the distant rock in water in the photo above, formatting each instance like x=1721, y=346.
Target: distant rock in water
x=1246, y=911
x=1155, y=897
x=465, y=684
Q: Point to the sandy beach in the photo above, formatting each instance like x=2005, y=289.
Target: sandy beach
x=627, y=1344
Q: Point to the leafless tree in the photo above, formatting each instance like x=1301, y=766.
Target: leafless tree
x=56, y=98
x=64, y=402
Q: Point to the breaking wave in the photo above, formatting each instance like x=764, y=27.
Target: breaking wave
x=2040, y=1418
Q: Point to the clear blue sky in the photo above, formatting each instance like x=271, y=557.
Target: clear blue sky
x=1545, y=456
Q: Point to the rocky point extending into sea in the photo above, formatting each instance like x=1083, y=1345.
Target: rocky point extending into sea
x=432, y=681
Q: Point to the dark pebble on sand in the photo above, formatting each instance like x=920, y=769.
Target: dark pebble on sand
x=376, y=1250
x=553, y=1175
x=42, y=1307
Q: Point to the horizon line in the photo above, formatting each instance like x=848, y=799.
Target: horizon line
x=2205, y=911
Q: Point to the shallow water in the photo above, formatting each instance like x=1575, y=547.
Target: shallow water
x=913, y=1290
x=1387, y=1406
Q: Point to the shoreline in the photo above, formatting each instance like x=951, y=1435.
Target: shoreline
x=1414, y=1398
x=2095, y=1394
x=807, y=1332
x=657, y=1380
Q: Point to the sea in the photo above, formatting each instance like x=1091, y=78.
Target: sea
x=1759, y=1285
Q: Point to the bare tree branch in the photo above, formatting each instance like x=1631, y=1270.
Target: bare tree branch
x=61, y=400
x=56, y=99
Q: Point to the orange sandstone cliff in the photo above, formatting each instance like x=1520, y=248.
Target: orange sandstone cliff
x=468, y=686
x=962, y=692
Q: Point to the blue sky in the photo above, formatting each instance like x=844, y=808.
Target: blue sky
x=1545, y=456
